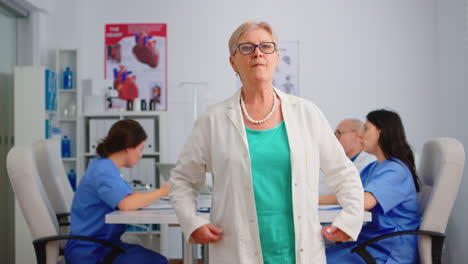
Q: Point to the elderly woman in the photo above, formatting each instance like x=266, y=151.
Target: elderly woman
x=264, y=149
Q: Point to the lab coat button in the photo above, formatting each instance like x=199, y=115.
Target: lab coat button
x=256, y=253
x=251, y=221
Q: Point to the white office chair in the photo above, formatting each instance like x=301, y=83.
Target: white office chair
x=440, y=171
x=54, y=179
x=37, y=210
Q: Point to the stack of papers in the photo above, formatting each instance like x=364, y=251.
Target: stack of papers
x=330, y=207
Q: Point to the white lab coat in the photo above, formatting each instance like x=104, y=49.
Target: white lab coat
x=362, y=160
x=219, y=145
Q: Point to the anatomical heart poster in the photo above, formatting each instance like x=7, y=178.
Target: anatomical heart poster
x=136, y=65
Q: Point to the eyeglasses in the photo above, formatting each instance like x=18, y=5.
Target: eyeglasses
x=249, y=48
x=340, y=132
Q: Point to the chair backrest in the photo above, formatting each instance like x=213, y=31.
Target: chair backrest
x=52, y=172
x=440, y=170
x=33, y=201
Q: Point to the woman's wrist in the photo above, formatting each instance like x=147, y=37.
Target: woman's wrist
x=328, y=199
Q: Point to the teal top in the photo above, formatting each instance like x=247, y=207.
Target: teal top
x=271, y=177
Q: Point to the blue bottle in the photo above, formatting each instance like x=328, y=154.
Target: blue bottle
x=67, y=79
x=72, y=179
x=66, y=153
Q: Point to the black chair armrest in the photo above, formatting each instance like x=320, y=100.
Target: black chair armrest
x=63, y=219
x=437, y=242
x=39, y=247
x=62, y=215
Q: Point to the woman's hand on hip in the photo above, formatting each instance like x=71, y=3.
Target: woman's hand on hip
x=333, y=233
x=206, y=234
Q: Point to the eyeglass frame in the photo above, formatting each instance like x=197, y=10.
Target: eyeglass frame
x=255, y=47
x=340, y=132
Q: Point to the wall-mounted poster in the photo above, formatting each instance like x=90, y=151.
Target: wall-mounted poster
x=136, y=64
x=286, y=77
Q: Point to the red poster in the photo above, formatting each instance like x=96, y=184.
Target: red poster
x=136, y=62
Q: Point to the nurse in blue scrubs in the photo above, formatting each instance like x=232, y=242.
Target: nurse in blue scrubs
x=390, y=194
x=103, y=190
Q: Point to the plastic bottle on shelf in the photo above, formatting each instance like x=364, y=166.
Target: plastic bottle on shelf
x=72, y=179
x=66, y=147
x=204, y=199
x=67, y=78
x=152, y=105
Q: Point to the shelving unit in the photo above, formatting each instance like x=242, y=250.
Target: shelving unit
x=124, y=114
x=70, y=119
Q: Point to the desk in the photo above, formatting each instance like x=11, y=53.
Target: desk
x=168, y=216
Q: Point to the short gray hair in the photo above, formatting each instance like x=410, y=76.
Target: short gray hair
x=247, y=27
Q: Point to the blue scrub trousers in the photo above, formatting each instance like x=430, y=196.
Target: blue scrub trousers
x=133, y=254
x=341, y=254
x=139, y=255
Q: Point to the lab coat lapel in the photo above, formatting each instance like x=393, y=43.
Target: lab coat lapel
x=234, y=114
x=290, y=120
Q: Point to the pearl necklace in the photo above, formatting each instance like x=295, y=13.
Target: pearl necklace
x=264, y=119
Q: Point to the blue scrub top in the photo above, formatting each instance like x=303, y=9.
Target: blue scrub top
x=392, y=184
x=99, y=192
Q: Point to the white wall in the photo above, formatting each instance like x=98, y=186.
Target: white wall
x=451, y=113
x=355, y=56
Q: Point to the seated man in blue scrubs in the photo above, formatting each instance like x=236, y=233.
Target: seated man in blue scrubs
x=103, y=190
x=349, y=134
x=390, y=194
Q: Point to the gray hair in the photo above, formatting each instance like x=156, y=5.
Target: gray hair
x=247, y=27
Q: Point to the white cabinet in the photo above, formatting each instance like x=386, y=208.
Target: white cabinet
x=97, y=127
x=149, y=125
x=97, y=130
x=144, y=172
x=35, y=103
